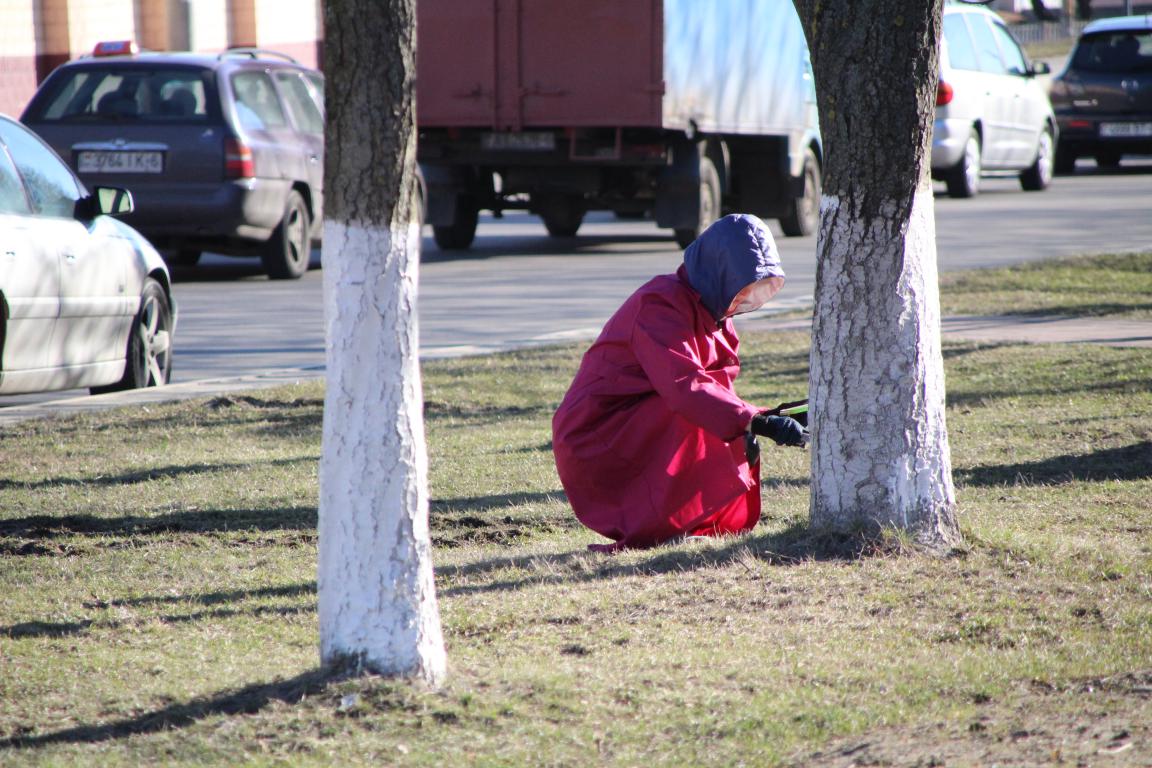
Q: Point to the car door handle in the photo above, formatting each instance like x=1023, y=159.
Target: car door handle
x=70, y=257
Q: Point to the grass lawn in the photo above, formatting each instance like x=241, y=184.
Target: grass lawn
x=1107, y=285
x=158, y=607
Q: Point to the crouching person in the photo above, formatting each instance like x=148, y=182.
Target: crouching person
x=651, y=441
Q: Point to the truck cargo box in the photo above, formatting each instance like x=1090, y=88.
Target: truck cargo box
x=682, y=109
x=735, y=66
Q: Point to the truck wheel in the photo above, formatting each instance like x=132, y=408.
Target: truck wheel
x=462, y=231
x=709, y=203
x=562, y=215
x=964, y=179
x=803, y=217
x=286, y=254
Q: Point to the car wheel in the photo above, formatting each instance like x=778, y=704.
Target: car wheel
x=562, y=215
x=803, y=215
x=462, y=231
x=149, y=360
x=288, y=251
x=185, y=257
x=964, y=179
x=1065, y=164
x=709, y=203
x=1038, y=176
x=1108, y=159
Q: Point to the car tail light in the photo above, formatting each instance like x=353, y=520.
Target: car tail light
x=1079, y=124
x=238, y=163
x=943, y=93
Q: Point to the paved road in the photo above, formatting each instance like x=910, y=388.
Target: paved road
x=517, y=286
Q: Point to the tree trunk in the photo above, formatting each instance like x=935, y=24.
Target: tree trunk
x=377, y=600
x=880, y=454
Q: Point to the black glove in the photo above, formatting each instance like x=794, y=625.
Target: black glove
x=784, y=430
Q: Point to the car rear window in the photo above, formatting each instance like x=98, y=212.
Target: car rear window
x=132, y=94
x=1114, y=52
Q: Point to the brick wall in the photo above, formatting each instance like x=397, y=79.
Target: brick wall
x=36, y=36
x=17, y=57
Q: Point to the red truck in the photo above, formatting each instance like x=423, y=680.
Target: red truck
x=681, y=109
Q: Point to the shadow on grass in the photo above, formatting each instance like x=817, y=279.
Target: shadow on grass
x=792, y=546
x=496, y=501
x=33, y=629
x=40, y=629
x=146, y=475
x=1129, y=462
x=46, y=527
x=245, y=701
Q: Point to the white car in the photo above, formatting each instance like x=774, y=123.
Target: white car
x=85, y=300
x=992, y=115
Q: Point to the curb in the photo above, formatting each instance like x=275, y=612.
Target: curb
x=1019, y=329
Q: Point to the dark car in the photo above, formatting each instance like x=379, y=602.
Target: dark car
x=221, y=152
x=1103, y=99
x=85, y=301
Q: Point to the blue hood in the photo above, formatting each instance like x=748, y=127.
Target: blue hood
x=734, y=252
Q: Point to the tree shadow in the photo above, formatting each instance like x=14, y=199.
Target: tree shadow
x=47, y=527
x=244, y=701
x=173, y=472
x=795, y=545
x=1129, y=462
x=42, y=629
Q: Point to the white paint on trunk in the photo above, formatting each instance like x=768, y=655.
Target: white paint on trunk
x=377, y=599
x=880, y=444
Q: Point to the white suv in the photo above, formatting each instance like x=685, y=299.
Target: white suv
x=991, y=113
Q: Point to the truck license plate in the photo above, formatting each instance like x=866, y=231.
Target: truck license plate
x=94, y=161
x=1125, y=130
x=532, y=141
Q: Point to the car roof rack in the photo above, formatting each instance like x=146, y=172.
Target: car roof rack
x=256, y=53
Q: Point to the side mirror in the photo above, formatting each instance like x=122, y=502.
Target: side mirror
x=114, y=201
x=105, y=201
x=1039, y=68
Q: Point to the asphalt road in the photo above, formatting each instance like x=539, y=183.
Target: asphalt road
x=517, y=286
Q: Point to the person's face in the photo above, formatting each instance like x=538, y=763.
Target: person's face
x=754, y=295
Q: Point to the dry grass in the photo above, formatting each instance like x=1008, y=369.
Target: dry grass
x=157, y=588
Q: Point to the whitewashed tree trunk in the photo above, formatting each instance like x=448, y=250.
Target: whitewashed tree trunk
x=377, y=599
x=880, y=455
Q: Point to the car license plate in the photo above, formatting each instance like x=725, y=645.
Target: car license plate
x=1125, y=130
x=120, y=161
x=537, y=141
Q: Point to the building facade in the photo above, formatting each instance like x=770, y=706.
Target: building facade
x=38, y=35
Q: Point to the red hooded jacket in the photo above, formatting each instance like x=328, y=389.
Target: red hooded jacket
x=649, y=440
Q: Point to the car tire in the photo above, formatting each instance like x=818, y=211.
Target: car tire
x=964, y=179
x=458, y=235
x=184, y=257
x=562, y=215
x=1038, y=176
x=149, y=356
x=1108, y=160
x=803, y=217
x=287, y=253
x=709, y=203
x=1065, y=163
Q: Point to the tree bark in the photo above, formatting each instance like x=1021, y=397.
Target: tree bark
x=377, y=600
x=880, y=456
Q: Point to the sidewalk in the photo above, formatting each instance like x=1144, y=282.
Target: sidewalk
x=1019, y=329
x=1008, y=329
